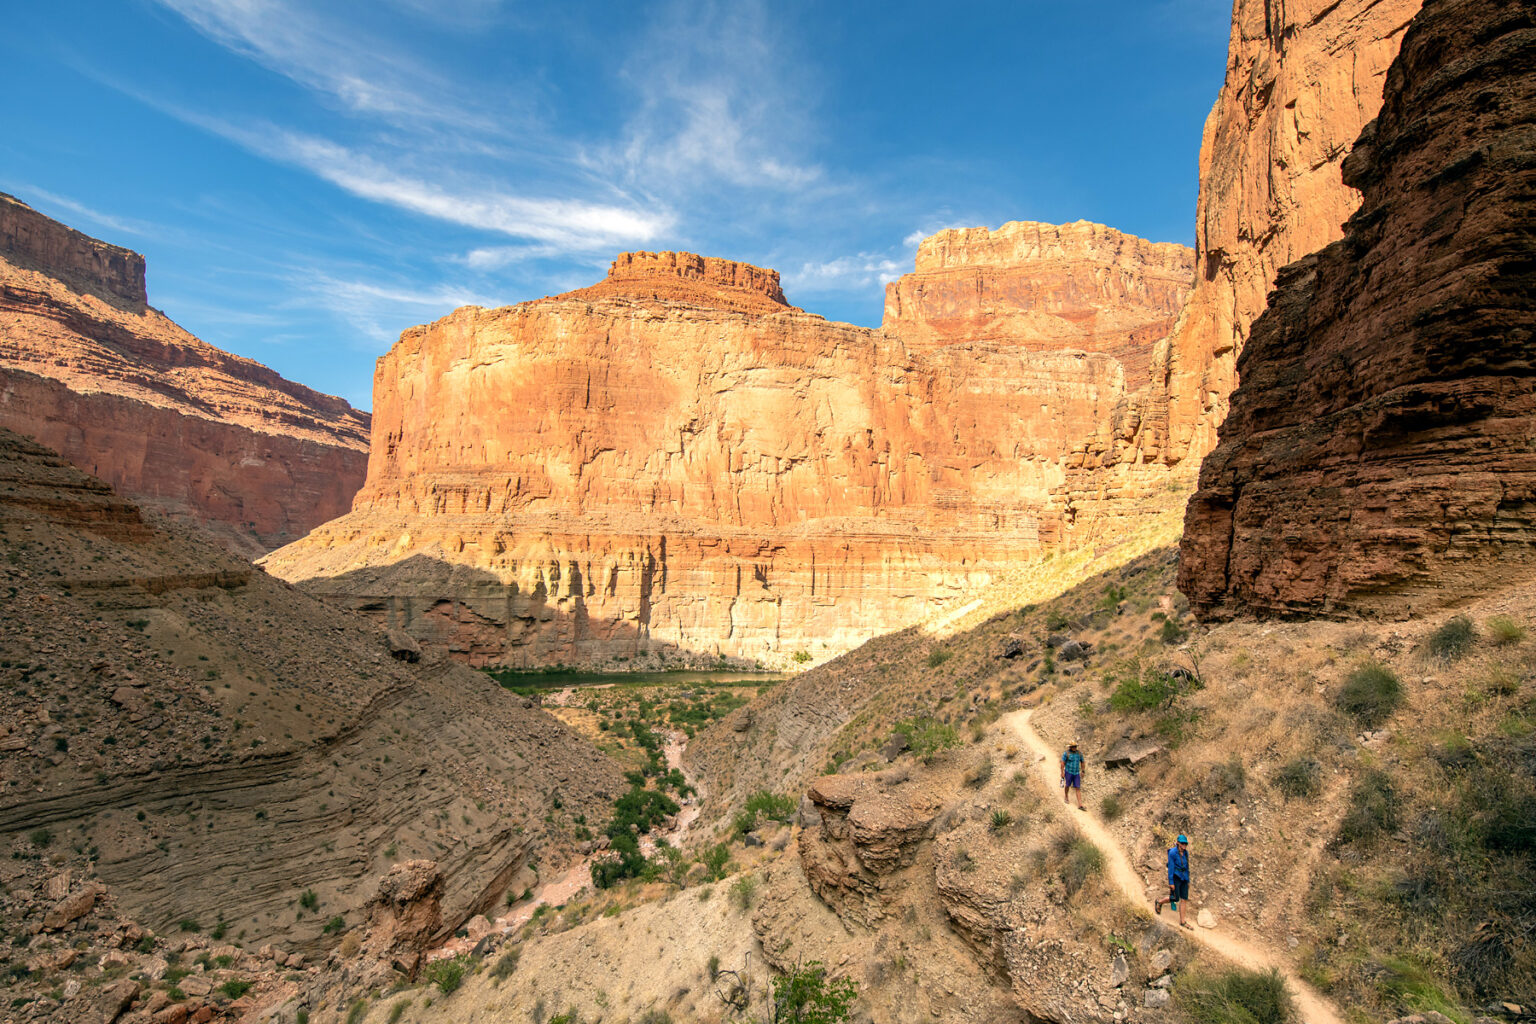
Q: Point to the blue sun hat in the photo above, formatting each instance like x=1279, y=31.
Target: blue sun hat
x=1183, y=838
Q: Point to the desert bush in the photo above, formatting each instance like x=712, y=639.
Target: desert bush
x=927, y=736
x=1235, y=997
x=939, y=656
x=980, y=773
x=712, y=968
x=654, y=1016
x=447, y=974
x=1172, y=633
x=1001, y=819
x=801, y=657
x=1503, y=630
x=1373, y=809
x=715, y=860
x=234, y=988
x=1371, y=693
x=1083, y=861
x=358, y=1011
x=760, y=805
x=308, y=900
x=1109, y=807
x=332, y=926
x=805, y=995
x=1225, y=781
x=398, y=1010
x=1453, y=639
x=506, y=965
x=743, y=890
x=40, y=837
x=1301, y=776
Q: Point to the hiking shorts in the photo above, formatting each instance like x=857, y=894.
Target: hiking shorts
x=1178, y=889
x=1074, y=780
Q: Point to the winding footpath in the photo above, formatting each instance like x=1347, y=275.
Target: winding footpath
x=1313, y=1008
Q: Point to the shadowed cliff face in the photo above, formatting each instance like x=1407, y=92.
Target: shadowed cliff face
x=677, y=452
x=1380, y=455
x=89, y=370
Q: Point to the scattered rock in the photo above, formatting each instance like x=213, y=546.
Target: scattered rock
x=1161, y=963
x=1155, y=997
x=1119, y=971
x=402, y=646
x=71, y=908
x=1205, y=919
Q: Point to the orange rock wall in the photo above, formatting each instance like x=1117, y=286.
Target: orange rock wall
x=174, y=423
x=589, y=477
x=1303, y=77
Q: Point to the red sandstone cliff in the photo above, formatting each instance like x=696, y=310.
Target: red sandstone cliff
x=1303, y=77
x=88, y=369
x=675, y=458
x=1380, y=455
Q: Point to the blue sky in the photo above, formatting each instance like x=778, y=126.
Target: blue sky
x=307, y=179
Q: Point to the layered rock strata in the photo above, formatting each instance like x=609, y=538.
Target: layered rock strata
x=1380, y=455
x=1303, y=77
x=675, y=461
x=88, y=369
x=231, y=750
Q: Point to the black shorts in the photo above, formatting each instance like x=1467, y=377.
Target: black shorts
x=1178, y=889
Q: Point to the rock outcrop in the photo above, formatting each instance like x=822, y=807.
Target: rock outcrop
x=88, y=369
x=231, y=750
x=1303, y=77
x=1380, y=456
x=676, y=461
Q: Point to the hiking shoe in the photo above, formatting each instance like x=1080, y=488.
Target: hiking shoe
x=1157, y=907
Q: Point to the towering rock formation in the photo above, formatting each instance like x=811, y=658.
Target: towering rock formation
x=1380, y=454
x=88, y=369
x=675, y=459
x=1303, y=77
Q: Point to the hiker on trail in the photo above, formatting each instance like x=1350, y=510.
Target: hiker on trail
x=1072, y=775
x=1178, y=879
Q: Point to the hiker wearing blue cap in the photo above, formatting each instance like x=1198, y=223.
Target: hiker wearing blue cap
x=1178, y=879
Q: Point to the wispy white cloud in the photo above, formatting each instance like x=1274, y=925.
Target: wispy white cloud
x=31, y=194
x=845, y=272
x=379, y=312
x=333, y=57
x=720, y=101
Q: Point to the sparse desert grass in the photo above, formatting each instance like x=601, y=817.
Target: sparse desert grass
x=1301, y=776
x=1453, y=639
x=1370, y=694
x=1503, y=631
x=1110, y=808
x=1234, y=997
x=1083, y=861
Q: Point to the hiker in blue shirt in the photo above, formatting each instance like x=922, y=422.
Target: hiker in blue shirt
x=1178, y=880
x=1072, y=775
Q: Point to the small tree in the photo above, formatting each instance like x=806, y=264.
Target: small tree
x=806, y=995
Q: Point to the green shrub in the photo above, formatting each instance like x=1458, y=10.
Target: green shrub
x=358, y=1011
x=1084, y=860
x=1371, y=693
x=1453, y=639
x=804, y=995
x=801, y=657
x=927, y=736
x=187, y=924
x=1234, y=997
x=1001, y=819
x=398, y=1010
x=1146, y=689
x=1172, y=633
x=1225, y=781
x=743, y=890
x=234, y=988
x=1373, y=809
x=760, y=805
x=713, y=967
x=334, y=925
x=308, y=900
x=301, y=1016
x=1109, y=807
x=715, y=860
x=447, y=974
x=1503, y=630
x=1301, y=776
x=939, y=656
x=40, y=837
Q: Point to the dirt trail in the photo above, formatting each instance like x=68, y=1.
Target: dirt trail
x=1313, y=1008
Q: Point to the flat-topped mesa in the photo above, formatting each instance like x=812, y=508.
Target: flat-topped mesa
x=28, y=237
x=1079, y=286
x=687, y=277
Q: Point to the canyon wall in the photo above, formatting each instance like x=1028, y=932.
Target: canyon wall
x=677, y=462
x=88, y=369
x=1380, y=453
x=1303, y=77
